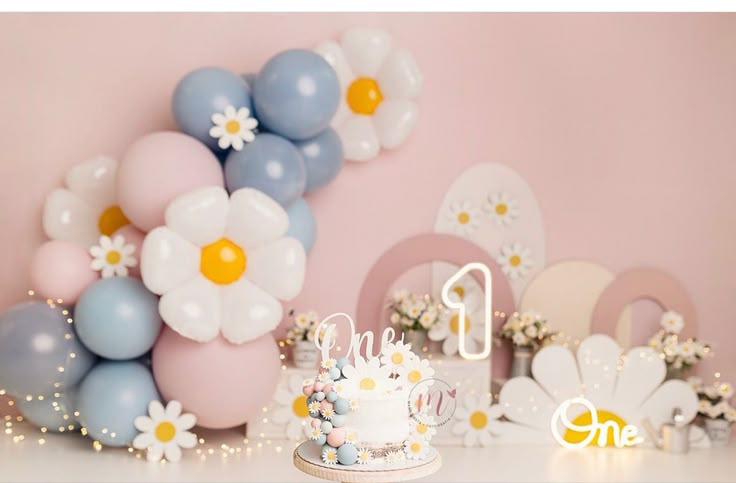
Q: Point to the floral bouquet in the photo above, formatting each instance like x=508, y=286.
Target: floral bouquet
x=305, y=325
x=413, y=312
x=526, y=330
x=678, y=354
x=715, y=408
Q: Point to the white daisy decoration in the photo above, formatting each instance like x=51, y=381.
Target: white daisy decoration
x=422, y=425
x=354, y=404
x=233, y=128
x=351, y=437
x=416, y=448
x=396, y=354
x=222, y=264
x=87, y=207
x=365, y=456
x=515, y=260
x=324, y=376
x=368, y=376
x=315, y=434
x=112, y=257
x=301, y=321
x=165, y=431
x=378, y=83
x=672, y=322
x=414, y=371
x=502, y=208
x=447, y=329
x=291, y=408
x=725, y=390
x=477, y=420
x=314, y=408
x=394, y=456
x=327, y=413
x=463, y=217
x=329, y=456
x=329, y=364
x=520, y=339
x=465, y=286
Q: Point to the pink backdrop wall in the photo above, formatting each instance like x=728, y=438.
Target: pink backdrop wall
x=623, y=125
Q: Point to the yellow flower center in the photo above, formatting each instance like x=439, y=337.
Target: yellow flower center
x=463, y=217
x=501, y=209
x=165, y=431
x=414, y=376
x=299, y=406
x=232, y=126
x=515, y=260
x=397, y=357
x=331, y=456
x=455, y=324
x=364, y=95
x=478, y=420
x=113, y=257
x=111, y=219
x=421, y=428
x=415, y=447
x=367, y=384
x=222, y=262
x=459, y=290
x=585, y=419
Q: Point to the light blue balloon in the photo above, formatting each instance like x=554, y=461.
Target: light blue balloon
x=270, y=164
x=204, y=92
x=334, y=373
x=347, y=454
x=331, y=396
x=44, y=414
x=326, y=427
x=342, y=362
x=323, y=157
x=117, y=318
x=338, y=421
x=250, y=80
x=34, y=345
x=319, y=396
x=341, y=406
x=303, y=227
x=321, y=439
x=110, y=398
x=296, y=94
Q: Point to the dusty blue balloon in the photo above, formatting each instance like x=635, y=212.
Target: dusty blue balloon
x=321, y=439
x=342, y=362
x=36, y=343
x=110, y=398
x=331, y=396
x=323, y=158
x=117, y=318
x=334, y=373
x=342, y=406
x=319, y=396
x=44, y=414
x=296, y=94
x=303, y=227
x=270, y=164
x=347, y=454
x=204, y=92
x=250, y=80
x=326, y=427
x=338, y=420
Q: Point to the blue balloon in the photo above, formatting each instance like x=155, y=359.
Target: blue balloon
x=347, y=454
x=326, y=427
x=117, y=318
x=342, y=406
x=321, y=439
x=303, y=227
x=250, y=80
x=296, y=94
x=338, y=420
x=323, y=158
x=331, y=396
x=270, y=164
x=36, y=347
x=204, y=92
x=342, y=362
x=110, y=398
x=44, y=413
x=334, y=373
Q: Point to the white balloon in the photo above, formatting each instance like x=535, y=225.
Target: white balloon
x=248, y=312
x=167, y=260
x=94, y=182
x=193, y=309
x=365, y=49
x=399, y=77
x=394, y=120
x=255, y=219
x=199, y=216
x=67, y=217
x=278, y=268
x=359, y=139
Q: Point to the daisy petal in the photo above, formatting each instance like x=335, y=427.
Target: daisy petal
x=394, y=121
x=281, y=415
x=485, y=438
x=167, y=260
x=193, y=309
x=248, y=311
x=230, y=112
x=365, y=49
x=172, y=453
x=224, y=142
x=143, y=441
x=237, y=143
x=173, y=409
x=399, y=76
x=186, y=421
x=143, y=423
x=154, y=453
x=334, y=56
x=67, y=217
x=219, y=120
x=200, y=215
x=97, y=264
x=278, y=268
x=359, y=138
x=94, y=182
x=470, y=438
x=255, y=219
x=460, y=428
x=185, y=439
x=156, y=410
x=450, y=345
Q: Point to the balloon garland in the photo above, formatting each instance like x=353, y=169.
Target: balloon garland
x=165, y=270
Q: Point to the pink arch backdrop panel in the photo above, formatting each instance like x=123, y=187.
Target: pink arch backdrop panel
x=423, y=249
x=621, y=124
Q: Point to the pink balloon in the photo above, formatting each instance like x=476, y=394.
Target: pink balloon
x=223, y=384
x=318, y=386
x=133, y=236
x=308, y=390
x=328, y=387
x=337, y=437
x=159, y=167
x=316, y=423
x=61, y=270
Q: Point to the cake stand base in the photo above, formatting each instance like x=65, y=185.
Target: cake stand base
x=307, y=458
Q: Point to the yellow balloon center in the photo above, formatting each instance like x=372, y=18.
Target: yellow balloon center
x=232, y=127
x=222, y=262
x=584, y=419
x=515, y=260
x=463, y=217
x=367, y=384
x=397, y=358
x=299, y=406
x=478, y=420
x=364, y=95
x=111, y=219
x=165, y=431
x=501, y=209
x=455, y=324
x=414, y=376
x=113, y=257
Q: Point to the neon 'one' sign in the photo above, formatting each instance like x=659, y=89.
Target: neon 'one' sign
x=622, y=436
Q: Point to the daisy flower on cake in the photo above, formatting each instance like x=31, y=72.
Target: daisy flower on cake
x=396, y=355
x=414, y=371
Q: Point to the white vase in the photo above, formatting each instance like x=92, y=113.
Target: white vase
x=719, y=431
x=521, y=366
x=305, y=354
x=417, y=339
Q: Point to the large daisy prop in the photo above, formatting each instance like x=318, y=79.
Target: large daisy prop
x=165, y=431
x=221, y=264
x=477, y=420
x=448, y=327
x=291, y=408
x=378, y=83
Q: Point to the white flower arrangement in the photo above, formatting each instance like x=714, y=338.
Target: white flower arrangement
x=714, y=399
x=677, y=353
x=528, y=329
x=305, y=325
x=413, y=312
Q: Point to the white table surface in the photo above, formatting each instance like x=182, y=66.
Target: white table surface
x=71, y=458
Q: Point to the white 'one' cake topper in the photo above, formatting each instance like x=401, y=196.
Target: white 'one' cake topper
x=329, y=339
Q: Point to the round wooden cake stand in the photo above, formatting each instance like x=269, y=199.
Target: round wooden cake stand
x=307, y=458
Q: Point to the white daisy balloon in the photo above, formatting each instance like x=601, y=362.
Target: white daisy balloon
x=477, y=420
x=515, y=260
x=233, y=128
x=87, y=207
x=112, y=257
x=448, y=327
x=378, y=83
x=222, y=264
x=291, y=408
x=165, y=431
x=464, y=217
